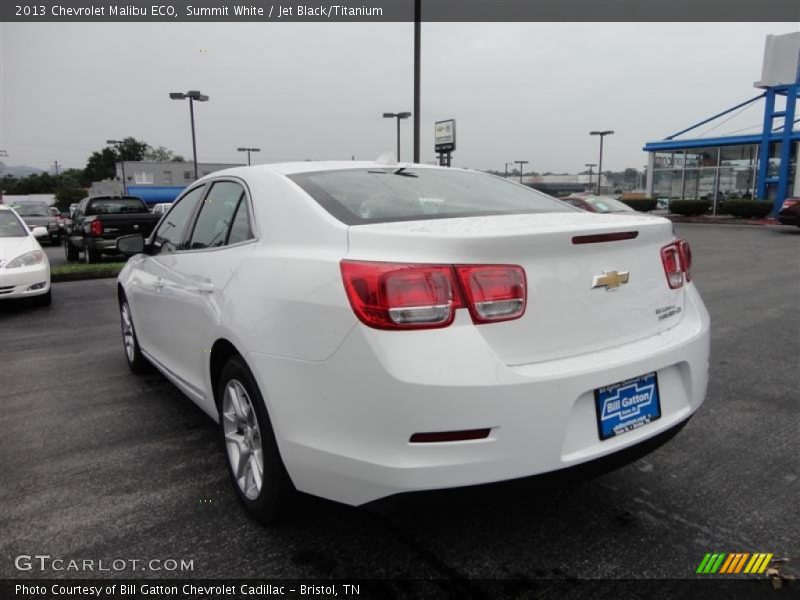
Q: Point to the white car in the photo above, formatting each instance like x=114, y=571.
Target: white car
x=362, y=329
x=24, y=268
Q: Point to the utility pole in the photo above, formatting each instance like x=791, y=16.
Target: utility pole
x=602, y=134
x=520, y=163
x=416, y=109
x=506, y=169
x=591, y=166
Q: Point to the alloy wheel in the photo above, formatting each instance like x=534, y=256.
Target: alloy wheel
x=242, y=439
x=127, y=332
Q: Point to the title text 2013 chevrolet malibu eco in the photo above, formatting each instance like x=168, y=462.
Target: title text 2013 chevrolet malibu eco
x=360, y=329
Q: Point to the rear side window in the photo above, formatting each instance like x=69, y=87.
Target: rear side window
x=358, y=196
x=240, y=229
x=216, y=215
x=169, y=235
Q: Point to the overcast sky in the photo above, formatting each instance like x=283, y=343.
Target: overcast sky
x=519, y=91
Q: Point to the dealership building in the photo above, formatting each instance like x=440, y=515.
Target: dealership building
x=156, y=182
x=761, y=165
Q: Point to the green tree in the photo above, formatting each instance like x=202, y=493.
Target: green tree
x=162, y=154
x=68, y=191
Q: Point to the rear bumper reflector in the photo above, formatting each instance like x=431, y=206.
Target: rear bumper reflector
x=449, y=436
x=605, y=237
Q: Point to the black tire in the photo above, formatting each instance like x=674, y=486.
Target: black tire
x=135, y=359
x=90, y=255
x=276, y=490
x=70, y=251
x=44, y=299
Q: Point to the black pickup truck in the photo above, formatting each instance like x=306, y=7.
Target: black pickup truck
x=100, y=220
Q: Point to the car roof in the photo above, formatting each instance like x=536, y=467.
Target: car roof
x=314, y=166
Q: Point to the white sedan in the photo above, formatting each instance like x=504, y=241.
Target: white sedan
x=24, y=268
x=364, y=329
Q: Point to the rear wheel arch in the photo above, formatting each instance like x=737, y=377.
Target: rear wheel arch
x=221, y=352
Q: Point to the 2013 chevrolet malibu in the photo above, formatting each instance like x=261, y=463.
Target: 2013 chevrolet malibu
x=364, y=329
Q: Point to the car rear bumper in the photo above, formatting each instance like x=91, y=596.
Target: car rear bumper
x=102, y=245
x=788, y=219
x=344, y=425
x=17, y=283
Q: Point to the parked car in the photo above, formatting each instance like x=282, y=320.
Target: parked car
x=38, y=214
x=789, y=213
x=161, y=208
x=597, y=204
x=24, y=268
x=354, y=342
x=98, y=222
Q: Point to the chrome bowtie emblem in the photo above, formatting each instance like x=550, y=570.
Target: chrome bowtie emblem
x=610, y=280
x=135, y=226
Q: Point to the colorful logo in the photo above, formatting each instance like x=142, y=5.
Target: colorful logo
x=734, y=562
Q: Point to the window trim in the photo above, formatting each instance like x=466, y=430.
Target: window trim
x=208, y=183
x=152, y=239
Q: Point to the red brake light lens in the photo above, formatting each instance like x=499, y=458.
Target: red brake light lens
x=677, y=259
x=96, y=227
x=493, y=292
x=401, y=296
x=420, y=296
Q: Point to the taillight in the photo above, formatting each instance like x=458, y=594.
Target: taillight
x=401, y=296
x=420, y=296
x=686, y=258
x=677, y=260
x=789, y=202
x=96, y=227
x=493, y=292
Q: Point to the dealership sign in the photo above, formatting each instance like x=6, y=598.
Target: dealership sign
x=444, y=135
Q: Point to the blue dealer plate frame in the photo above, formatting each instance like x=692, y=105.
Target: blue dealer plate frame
x=627, y=405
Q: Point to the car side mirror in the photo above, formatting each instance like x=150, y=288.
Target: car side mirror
x=39, y=232
x=130, y=244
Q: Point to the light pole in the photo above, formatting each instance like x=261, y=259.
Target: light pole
x=120, y=144
x=602, y=134
x=506, y=169
x=192, y=95
x=417, y=59
x=398, y=116
x=520, y=163
x=248, y=150
x=591, y=166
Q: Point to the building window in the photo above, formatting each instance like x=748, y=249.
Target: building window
x=187, y=175
x=167, y=177
x=143, y=177
x=739, y=156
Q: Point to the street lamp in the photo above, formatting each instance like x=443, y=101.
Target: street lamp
x=248, y=150
x=602, y=134
x=398, y=116
x=520, y=163
x=121, y=147
x=591, y=166
x=193, y=96
x=506, y=169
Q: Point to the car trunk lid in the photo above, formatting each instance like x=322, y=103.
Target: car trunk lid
x=585, y=292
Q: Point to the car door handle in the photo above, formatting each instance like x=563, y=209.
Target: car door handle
x=203, y=288
x=159, y=283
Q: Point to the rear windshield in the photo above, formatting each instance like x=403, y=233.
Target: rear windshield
x=108, y=206
x=358, y=196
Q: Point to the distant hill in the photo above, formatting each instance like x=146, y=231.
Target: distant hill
x=18, y=170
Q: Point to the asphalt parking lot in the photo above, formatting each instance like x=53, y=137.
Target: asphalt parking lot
x=99, y=463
